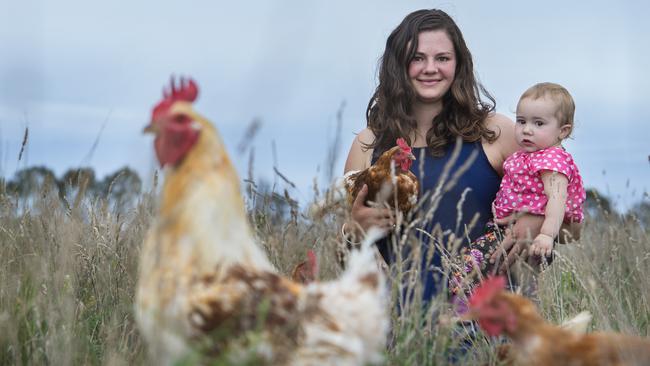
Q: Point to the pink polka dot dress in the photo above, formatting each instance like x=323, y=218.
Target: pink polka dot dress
x=522, y=188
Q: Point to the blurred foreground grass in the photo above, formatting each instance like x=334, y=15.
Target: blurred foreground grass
x=68, y=273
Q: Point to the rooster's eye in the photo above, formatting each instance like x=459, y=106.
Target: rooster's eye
x=179, y=118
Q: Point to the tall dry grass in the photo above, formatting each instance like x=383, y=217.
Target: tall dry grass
x=67, y=280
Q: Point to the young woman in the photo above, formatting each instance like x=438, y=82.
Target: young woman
x=428, y=95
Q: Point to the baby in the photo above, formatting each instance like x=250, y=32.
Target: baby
x=539, y=179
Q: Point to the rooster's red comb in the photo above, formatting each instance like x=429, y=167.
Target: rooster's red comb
x=403, y=145
x=187, y=91
x=487, y=290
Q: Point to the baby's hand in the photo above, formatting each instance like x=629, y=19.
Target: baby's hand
x=542, y=245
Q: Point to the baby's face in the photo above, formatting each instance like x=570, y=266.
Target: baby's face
x=537, y=126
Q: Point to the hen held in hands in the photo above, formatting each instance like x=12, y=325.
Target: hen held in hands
x=391, y=170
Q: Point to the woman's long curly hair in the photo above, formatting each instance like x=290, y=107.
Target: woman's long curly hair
x=390, y=110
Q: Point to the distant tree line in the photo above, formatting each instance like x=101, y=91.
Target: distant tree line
x=121, y=188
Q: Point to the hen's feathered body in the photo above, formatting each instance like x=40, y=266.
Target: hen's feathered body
x=389, y=182
x=205, y=283
x=538, y=343
x=380, y=179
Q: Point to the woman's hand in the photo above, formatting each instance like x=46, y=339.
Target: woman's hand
x=517, y=240
x=365, y=217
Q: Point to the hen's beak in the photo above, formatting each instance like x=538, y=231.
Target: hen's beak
x=468, y=316
x=411, y=156
x=151, y=128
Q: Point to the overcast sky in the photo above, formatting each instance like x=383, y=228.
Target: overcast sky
x=73, y=71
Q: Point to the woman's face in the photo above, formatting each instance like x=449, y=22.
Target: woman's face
x=433, y=67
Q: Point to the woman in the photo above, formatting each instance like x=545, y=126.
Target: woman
x=428, y=95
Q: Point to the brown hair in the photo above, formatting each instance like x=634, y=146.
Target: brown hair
x=558, y=94
x=389, y=114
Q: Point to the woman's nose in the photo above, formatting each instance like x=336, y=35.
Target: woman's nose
x=431, y=66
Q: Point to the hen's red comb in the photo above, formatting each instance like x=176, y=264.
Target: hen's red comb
x=487, y=290
x=311, y=257
x=403, y=145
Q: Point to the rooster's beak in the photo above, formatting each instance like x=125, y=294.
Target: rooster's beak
x=151, y=128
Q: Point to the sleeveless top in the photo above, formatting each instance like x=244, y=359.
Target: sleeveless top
x=472, y=194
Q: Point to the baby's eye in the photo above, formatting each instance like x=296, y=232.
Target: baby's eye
x=521, y=121
x=539, y=123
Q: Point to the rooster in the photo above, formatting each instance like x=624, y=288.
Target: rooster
x=535, y=342
x=205, y=285
x=392, y=169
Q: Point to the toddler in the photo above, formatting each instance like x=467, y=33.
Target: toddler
x=539, y=179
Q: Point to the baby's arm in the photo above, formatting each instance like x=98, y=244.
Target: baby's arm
x=555, y=188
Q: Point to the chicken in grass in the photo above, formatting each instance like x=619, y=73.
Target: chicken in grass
x=205, y=285
x=536, y=342
x=392, y=169
x=306, y=271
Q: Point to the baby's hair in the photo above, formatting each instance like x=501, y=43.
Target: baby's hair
x=563, y=100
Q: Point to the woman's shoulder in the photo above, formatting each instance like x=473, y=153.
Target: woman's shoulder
x=366, y=136
x=505, y=143
x=499, y=123
x=360, y=154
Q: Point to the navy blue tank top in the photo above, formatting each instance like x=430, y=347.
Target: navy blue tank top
x=471, y=195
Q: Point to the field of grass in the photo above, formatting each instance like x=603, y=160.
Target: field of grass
x=68, y=273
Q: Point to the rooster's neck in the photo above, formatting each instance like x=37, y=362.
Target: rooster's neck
x=202, y=201
x=206, y=163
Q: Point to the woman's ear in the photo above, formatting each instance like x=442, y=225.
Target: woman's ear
x=565, y=131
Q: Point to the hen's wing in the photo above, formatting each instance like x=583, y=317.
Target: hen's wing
x=244, y=300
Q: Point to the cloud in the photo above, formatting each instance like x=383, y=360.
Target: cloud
x=69, y=65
